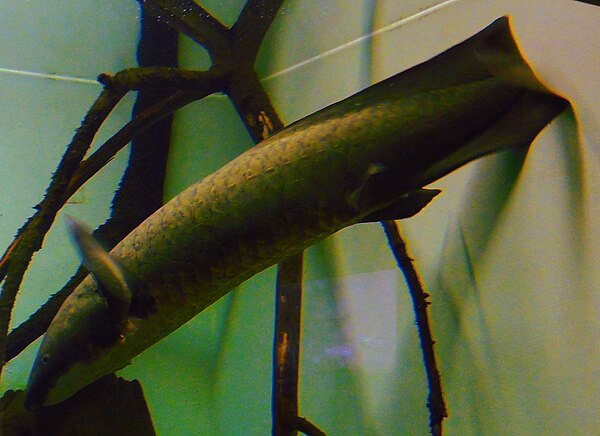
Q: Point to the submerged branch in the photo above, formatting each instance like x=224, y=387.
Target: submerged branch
x=194, y=21
x=235, y=51
x=140, y=191
x=253, y=105
x=138, y=125
x=29, y=330
x=252, y=25
x=307, y=427
x=31, y=235
x=164, y=78
x=286, y=350
x=261, y=120
x=55, y=194
x=435, y=401
x=179, y=87
x=286, y=347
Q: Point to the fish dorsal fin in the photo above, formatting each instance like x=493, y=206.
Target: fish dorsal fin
x=105, y=268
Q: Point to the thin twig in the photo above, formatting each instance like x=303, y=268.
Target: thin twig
x=435, y=400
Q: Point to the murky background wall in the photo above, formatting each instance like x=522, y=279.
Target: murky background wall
x=508, y=251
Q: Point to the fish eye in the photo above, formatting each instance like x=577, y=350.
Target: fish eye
x=45, y=358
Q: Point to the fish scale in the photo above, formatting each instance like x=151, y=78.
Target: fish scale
x=292, y=190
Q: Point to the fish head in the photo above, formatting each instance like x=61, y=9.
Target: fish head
x=90, y=320
x=80, y=330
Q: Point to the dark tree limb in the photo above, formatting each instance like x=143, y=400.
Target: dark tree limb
x=109, y=406
x=435, y=400
x=6, y=256
x=251, y=27
x=161, y=79
x=140, y=190
x=31, y=235
x=307, y=427
x=253, y=105
x=124, y=222
x=29, y=330
x=261, y=119
x=171, y=89
x=139, y=125
x=233, y=53
x=286, y=350
x=194, y=21
x=55, y=194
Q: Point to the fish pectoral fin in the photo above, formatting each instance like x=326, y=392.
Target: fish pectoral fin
x=405, y=207
x=361, y=194
x=108, y=272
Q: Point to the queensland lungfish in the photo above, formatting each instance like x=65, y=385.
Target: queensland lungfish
x=364, y=158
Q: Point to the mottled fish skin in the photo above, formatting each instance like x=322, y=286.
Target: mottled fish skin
x=290, y=191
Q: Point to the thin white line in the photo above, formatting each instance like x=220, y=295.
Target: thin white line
x=49, y=76
x=323, y=55
x=349, y=44
x=414, y=17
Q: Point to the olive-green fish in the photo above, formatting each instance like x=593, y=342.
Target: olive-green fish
x=362, y=159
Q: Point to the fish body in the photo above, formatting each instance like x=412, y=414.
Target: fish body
x=345, y=164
